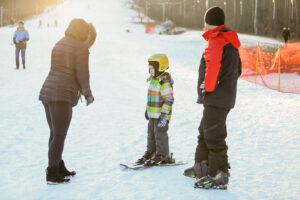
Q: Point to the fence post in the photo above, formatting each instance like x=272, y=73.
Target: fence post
x=184, y=12
x=279, y=70
x=1, y=16
x=257, y=56
x=164, y=11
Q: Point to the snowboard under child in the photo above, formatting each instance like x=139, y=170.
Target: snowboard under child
x=158, y=112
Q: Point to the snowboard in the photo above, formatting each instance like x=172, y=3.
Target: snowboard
x=142, y=166
x=190, y=173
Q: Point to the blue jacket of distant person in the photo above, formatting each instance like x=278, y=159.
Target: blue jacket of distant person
x=167, y=24
x=20, y=38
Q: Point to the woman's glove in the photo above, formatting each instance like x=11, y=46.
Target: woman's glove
x=89, y=99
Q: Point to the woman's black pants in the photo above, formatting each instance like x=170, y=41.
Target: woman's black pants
x=59, y=115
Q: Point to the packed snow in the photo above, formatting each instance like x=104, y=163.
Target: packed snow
x=263, y=128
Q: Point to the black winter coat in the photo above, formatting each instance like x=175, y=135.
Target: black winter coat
x=220, y=68
x=69, y=74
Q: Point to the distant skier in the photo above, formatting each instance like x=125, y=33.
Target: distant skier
x=55, y=23
x=168, y=27
x=158, y=112
x=219, y=70
x=286, y=34
x=67, y=80
x=40, y=24
x=167, y=23
x=12, y=22
x=20, y=39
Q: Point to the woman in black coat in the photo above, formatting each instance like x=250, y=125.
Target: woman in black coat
x=67, y=80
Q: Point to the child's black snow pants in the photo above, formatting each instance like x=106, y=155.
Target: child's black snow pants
x=59, y=115
x=211, y=140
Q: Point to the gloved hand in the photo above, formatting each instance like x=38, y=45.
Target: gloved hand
x=202, y=87
x=162, y=121
x=146, y=115
x=200, y=99
x=89, y=99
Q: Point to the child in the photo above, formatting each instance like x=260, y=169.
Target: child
x=158, y=112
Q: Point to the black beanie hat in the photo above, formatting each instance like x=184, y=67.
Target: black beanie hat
x=215, y=16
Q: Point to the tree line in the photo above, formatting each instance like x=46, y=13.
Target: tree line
x=261, y=17
x=12, y=11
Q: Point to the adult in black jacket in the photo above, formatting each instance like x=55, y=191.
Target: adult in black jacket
x=219, y=70
x=67, y=80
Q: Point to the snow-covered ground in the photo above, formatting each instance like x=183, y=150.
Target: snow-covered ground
x=263, y=129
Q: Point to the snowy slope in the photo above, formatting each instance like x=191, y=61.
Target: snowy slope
x=263, y=129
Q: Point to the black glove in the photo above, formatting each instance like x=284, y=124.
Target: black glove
x=89, y=99
x=162, y=121
x=146, y=115
x=200, y=99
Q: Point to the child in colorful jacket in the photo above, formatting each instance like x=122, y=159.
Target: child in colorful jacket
x=158, y=112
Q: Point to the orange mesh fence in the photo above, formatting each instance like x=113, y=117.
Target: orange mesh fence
x=150, y=28
x=274, y=67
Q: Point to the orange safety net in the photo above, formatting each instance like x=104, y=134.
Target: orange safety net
x=279, y=70
x=150, y=28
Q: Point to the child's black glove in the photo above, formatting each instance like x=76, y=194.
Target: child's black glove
x=162, y=121
x=146, y=115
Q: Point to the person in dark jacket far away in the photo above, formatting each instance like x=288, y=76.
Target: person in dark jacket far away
x=219, y=70
x=286, y=34
x=67, y=80
x=20, y=39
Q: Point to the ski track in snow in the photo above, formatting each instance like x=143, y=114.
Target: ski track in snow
x=263, y=129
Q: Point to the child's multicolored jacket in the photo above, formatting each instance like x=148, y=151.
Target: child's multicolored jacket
x=160, y=96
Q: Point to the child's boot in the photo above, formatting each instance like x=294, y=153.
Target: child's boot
x=158, y=159
x=147, y=155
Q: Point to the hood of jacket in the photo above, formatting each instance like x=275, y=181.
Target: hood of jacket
x=78, y=29
x=225, y=33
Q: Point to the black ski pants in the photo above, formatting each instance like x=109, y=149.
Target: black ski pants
x=211, y=140
x=59, y=115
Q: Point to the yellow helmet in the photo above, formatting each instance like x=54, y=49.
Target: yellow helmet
x=162, y=60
